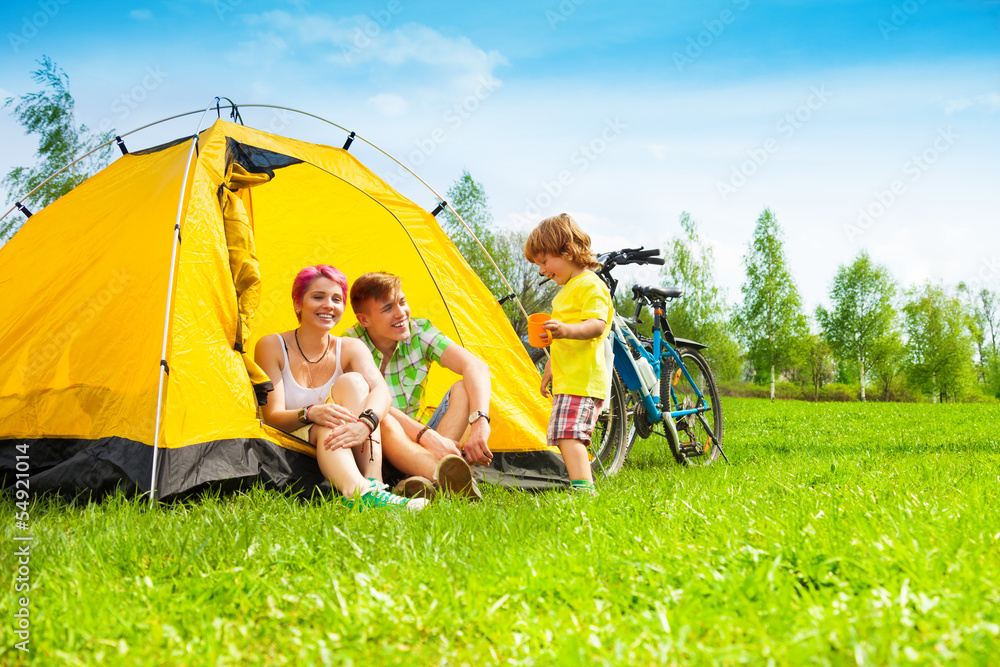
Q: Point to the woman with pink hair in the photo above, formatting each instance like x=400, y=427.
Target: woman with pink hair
x=327, y=390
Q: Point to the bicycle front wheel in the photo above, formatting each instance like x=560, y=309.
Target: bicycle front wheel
x=611, y=433
x=699, y=433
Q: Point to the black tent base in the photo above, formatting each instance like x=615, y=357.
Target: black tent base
x=530, y=471
x=81, y=470
x=84, y=470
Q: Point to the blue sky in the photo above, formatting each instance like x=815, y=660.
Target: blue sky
x=862, y=125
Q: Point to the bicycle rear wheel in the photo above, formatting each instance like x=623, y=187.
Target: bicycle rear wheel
x=610, y=435
x=695, y=445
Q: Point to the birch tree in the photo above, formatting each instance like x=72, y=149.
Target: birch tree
x=770, y=317
x=862, y=316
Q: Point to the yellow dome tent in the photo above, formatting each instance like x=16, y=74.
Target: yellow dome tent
x=126, y=305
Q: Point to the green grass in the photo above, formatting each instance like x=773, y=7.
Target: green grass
x=841, y=534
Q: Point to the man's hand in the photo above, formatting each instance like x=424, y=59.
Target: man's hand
x=476, y=450
x=438, y=445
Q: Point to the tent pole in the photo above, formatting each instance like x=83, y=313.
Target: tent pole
x=164, y=367
x=353, y=135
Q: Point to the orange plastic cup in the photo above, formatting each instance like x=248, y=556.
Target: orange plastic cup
x=536, y=330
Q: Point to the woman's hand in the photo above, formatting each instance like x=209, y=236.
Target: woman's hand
x=352, y=434
x=330, y=415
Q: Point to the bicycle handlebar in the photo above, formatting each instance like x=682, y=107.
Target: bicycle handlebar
x=631, y=256
x=652, y=252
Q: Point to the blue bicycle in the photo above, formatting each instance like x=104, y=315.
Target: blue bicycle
x=661, y=385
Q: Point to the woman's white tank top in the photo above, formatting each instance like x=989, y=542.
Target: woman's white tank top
x=297, y=396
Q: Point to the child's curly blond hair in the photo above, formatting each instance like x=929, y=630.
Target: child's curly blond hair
x=560, y=236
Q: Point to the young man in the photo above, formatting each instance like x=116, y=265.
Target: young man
x=404, y=349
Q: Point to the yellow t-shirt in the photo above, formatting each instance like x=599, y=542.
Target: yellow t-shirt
x=578, y=366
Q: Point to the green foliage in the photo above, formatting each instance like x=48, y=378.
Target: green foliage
x=49, y=114
x=701, y=313
x=770, y=317
x=468, y=197
x=983, y=307
x=939, y=344
x=991, y=386
x=689, y=264
x=863, y=318
x=889, y=361
x=816, y=366
x=841, y=534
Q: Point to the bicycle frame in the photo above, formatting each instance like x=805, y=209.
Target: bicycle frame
x=626, y=343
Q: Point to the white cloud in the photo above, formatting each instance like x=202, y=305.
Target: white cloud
x=990, y=100
x=262, y=52
x=353, y=41
x=388, y=105
x=140, y=14
x=951, y=106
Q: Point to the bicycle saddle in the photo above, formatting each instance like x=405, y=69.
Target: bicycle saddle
x=661, y=292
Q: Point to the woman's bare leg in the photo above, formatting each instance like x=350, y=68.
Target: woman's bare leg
x=348, y=469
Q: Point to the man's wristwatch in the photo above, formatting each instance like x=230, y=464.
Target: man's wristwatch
x=476, y=415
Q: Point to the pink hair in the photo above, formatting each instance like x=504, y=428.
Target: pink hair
x=307, y=275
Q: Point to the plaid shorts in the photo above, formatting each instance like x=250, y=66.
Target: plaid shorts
x=573, y=418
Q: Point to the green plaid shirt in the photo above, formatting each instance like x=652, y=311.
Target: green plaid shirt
x=407, y=370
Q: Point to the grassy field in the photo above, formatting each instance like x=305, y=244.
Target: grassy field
x=842, y=534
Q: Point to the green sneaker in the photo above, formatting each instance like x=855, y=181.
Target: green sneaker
x=377, y=496
x=582, y=488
